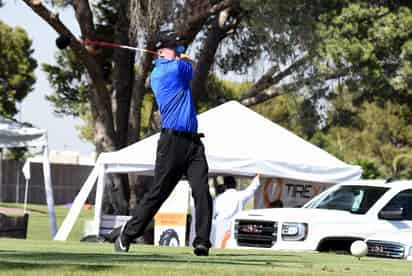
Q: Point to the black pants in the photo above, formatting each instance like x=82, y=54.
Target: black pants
x=176, y=156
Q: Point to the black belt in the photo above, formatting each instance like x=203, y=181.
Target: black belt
x=186, y=134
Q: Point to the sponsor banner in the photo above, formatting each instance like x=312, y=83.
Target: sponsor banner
x=170, y=220
x=279, y=192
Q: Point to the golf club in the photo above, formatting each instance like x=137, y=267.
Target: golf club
x=63, y=42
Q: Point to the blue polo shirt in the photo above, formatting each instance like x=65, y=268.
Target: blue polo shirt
x=170, y=81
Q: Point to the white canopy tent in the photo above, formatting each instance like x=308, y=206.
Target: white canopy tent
x=238, y=141
x=15, y=135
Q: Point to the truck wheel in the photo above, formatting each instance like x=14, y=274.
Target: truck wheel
x=169, y=238
x=339, y=245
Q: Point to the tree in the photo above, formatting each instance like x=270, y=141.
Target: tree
x=238, y=23
x=369, y=44
x=17, y=67
x=17, y=78
x=230, y=35
x=371, y=135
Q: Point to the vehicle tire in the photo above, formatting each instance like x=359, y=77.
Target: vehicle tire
x=169, y=238
x=339, y=245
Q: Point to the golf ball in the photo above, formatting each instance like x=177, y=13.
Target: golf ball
x=359, y=248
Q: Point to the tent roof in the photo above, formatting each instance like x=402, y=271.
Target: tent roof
x=239, y=141
x=14, y=134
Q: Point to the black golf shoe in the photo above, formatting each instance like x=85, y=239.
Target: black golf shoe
x=121, y=244
x=201, y=250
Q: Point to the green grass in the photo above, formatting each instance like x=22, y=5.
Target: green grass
x=39, y=224
x=39, y=256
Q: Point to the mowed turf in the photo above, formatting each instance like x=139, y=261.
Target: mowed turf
x=39, y=256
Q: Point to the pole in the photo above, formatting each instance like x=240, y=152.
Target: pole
x=1, y=175
x=18, y=182
x=26, y=192
x=49, y=191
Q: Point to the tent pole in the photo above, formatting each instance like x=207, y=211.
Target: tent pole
x=49, y=191
x=99, y=199
x=78, y=203
x=26, y=192
x=26, y=173
x=1, y=175
x=18, y=182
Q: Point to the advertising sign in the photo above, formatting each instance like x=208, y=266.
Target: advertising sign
x=170, y=220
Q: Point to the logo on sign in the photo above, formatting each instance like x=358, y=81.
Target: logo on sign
x=251, y=228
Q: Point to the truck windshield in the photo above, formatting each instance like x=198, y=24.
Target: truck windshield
x=355, y=199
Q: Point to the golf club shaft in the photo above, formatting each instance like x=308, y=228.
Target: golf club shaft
x=115, y=45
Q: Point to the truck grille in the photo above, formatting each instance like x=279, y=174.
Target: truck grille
x=385, y=249
x=253, y=233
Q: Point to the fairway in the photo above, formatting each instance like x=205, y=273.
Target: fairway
x=17, y=257
x=39, y=256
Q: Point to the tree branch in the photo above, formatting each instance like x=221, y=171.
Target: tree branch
x=54, y=21
x=84, y=16
x=190, y=26
x=261, y=97
x=210, y=45
x=269, y=78
x=213, y=9
x=251, y=99
x=100, y=96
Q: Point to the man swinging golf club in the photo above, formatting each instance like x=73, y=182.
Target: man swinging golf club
x=180, y=151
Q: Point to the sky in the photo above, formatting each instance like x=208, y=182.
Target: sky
x=35, y=109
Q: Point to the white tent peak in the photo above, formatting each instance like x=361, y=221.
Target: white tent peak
x=14, y=134
x=240, y=141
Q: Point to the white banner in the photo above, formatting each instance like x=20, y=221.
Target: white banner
x=170, y=220
x=278, y=192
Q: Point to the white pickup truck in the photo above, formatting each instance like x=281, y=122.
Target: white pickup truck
x=396, y=245
x=331, y=221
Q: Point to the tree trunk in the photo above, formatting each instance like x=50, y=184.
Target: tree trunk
x=206, y=59
x=139, y=91
x=122, y=76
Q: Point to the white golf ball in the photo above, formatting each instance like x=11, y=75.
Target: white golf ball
x=359, y=248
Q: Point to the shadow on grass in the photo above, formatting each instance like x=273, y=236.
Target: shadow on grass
x=103, y=261
x=14, y=265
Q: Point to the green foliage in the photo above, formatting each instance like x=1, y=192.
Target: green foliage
x=380, y=134
x=275, y=31
x=367, y=44
x=370, y=45
x=16, y=154
x=86, y=131
x=369, y=169
x=16, y=68
x=147, y=105
x=401, y=165
x=70, y=84
x=293, y=112
x=68, y=77
x=220, y=91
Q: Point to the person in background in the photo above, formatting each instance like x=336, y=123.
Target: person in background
x=277, y=199
x=226, y=205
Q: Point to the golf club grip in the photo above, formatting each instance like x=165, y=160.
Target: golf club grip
x=114, y=45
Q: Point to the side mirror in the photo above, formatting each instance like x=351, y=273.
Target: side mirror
x=392, y=214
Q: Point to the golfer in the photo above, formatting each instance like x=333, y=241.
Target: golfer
x=180, y=151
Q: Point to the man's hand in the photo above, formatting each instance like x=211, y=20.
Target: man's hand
x=187, y=58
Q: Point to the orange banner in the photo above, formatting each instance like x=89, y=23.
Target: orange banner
x=171, y=219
